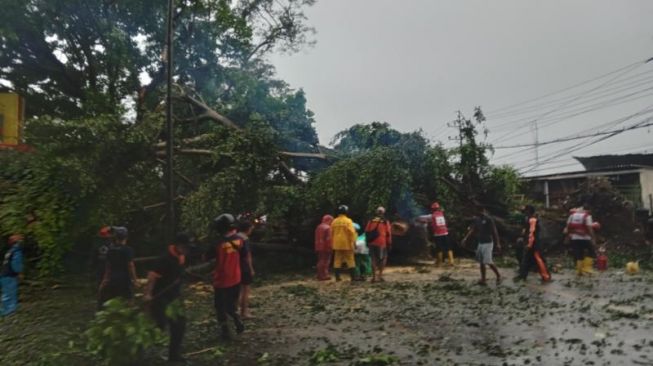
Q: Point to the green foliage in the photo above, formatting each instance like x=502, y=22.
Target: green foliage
x=83, y=174
x=376, y=360
x=232, y=179
x=120, y=333
x=326, y=355
x=363, y=182
x=74, y=58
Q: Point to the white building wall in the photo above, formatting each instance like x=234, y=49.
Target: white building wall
x=646, y=181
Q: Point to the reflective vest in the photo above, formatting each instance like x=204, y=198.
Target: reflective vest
x=577, y=223
x=439, y=224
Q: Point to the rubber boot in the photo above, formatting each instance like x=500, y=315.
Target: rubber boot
x=224, y=332
x=352, y=275
x=336, y=271
x=579, y=267
x=588, y=265
x=451, y=262
x=440, y=259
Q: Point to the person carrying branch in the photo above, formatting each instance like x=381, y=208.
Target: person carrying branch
x=163, y=294
x=120, y=273
x=485, y=231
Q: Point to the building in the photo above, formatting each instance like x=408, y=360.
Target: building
x=631, y=174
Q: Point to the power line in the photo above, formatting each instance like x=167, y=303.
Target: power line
x=535, y=120
x=570, y=87
x=618, y=85
x=571, y=138
x=582, y=146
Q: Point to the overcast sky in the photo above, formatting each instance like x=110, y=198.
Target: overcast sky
x=413, y=63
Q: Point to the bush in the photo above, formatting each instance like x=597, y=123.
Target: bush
x=120, y=333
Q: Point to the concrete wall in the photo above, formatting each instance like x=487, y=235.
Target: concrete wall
x=646, y=182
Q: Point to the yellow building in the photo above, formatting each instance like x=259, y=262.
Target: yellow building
x=12, y=111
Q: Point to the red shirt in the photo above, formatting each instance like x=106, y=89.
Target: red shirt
x=383, y=228
x=439, y=224
x=227, y=262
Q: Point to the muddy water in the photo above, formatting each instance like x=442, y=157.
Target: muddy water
x=442, y=318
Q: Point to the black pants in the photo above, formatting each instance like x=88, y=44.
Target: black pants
x=177, y=326
x=225, y=301
x=442, y=244
x=111, y=291
x=527, y=262
x=579, y=248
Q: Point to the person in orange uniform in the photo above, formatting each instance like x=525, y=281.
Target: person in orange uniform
x=533, y=250
x=323, y=247
x=344, y=241
x=226, y=275
x=378, y=234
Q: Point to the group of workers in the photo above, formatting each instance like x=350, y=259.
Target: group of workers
x=232, y=276
x=359, y=250
x=345, y=244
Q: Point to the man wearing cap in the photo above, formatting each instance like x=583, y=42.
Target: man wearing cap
x=344, y=241
x=164, y=290
x=12, y=267
x=378, y=235
x=120, y=273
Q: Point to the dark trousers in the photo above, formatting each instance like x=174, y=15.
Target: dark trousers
x=442, y=243
x=581, y=249
x=533, y=257
x=111, y=291
x=177, y=326
x=225, y=301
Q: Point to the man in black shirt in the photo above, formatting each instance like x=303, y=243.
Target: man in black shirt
x=120, y=273
x=486, y=234
x=164, y=290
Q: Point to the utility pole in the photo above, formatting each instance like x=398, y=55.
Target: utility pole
x=169, y=176
x=537, y=144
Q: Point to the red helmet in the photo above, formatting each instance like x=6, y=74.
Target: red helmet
x=435, y=206
x=105, y=232
x=15, y=239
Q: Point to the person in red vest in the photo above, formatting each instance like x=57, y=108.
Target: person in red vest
x=583, y=240
x=227, y=274
x=533, y=251
x=323, y=247
x=439, y=233
x=378, y=235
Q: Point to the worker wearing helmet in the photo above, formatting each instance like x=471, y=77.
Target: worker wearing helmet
x=580, y=229
x=99, y=256
x=344, y=240
x=226, y=275
x=439, y=233
x=120, y=273
x=12, y=267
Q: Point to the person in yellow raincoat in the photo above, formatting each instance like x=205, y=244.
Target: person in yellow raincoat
x=344, y=241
